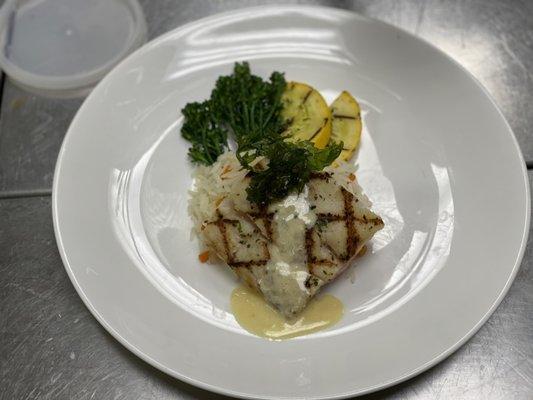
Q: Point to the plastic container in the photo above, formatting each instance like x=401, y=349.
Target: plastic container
x=64, y=47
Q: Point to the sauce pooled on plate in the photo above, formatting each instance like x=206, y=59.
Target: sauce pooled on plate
x=258, y=317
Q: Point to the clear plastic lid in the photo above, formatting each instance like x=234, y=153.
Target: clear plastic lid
x=64, y=47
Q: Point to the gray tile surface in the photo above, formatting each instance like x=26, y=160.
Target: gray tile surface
x=52, y=348
x=493, y=39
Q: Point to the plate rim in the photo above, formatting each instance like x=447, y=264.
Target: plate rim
x=216, y=389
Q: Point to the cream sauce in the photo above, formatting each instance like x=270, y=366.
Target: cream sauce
x=255, y=315
x=286, y=271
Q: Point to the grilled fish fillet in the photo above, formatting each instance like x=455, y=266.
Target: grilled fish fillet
x=291, y=249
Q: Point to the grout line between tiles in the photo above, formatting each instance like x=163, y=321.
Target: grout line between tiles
x=20, y=194
x=3, y=78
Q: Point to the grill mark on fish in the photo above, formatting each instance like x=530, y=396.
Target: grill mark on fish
x=349, y=214
x=268, y=225
x=329, y=217
x=247, y=264
x=342, y=257
x=307, y=96
x=220, y=223
x=365, y=220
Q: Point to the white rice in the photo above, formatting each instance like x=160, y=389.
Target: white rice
x=213, y=183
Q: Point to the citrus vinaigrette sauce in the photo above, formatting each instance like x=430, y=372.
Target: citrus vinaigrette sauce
x=257, y=317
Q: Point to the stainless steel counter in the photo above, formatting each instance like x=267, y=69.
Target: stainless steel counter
x=52, y=348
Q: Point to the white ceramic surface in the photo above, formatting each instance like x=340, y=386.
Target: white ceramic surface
x=437, y=158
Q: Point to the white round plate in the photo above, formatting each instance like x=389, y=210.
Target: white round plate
x=437, y=159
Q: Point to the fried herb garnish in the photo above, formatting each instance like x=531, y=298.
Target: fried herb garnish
x=248, y=108
x=290, y=167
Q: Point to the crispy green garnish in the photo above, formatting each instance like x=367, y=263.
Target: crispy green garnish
x=248, y=108
x=290, y=167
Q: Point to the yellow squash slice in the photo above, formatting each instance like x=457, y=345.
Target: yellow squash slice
x=307, y=114
x=346, y=124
